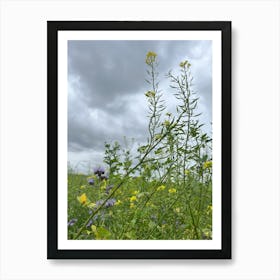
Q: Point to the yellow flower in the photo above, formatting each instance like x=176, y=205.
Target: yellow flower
x=161, y=188
x=82, y=187
x=177, y=210
x=118, y=202
x=133, y=198
x=136, y=192
x=172, y=190
x=150, y=93
x=151, y=57
x=207, y=164
x=187, y=172
x=184, y=64
x=82, y=199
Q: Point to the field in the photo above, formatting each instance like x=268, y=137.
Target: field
x=140, y=209
x=161, y=192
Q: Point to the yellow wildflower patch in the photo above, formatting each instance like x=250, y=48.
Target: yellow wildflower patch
x=207, y=164
x=161, y=188
x=133, y=198
x=82, y=199
x=172, y=190
x=118, y=202
x=151, y=57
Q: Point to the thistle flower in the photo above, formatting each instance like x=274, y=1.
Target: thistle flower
x=99, y=171
x=91, y=181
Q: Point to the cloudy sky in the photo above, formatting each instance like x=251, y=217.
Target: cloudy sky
x=106, y=87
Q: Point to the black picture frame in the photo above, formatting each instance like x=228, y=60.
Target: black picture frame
x=53, y=27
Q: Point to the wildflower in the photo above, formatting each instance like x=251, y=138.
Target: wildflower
x=151, y=57
x=90, y=222
x=161, y=188
x=118, y=202
x=133, y=198
x=177, y=210
x=207, y=164
x=72, y=222
x=82, y=199
x=91, y=181
x=99, y=202
x=99, y=171
x=184, y=64
x=136, y=192
x=187, y=172
x=110, y=202
x=172, y=190
x=150, y=93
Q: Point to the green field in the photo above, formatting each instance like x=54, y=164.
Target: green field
x=140, y=209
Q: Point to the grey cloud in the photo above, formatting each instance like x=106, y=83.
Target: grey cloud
x=106, y=81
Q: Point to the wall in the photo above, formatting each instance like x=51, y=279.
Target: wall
x=255, y=139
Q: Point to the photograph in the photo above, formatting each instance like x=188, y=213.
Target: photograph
x=139, y=140
x=139, y=136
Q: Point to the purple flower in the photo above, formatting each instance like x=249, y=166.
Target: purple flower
x=99, y=171
x=72, y=222
x=91, y=181
x=99, y=202
x=110, y=202
x=89, y=223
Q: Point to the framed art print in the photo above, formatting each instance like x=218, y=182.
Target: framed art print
x=139, y=140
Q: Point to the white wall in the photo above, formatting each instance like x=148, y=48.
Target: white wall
x=255, y=139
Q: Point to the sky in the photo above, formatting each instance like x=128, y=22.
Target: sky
x=106, y=92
